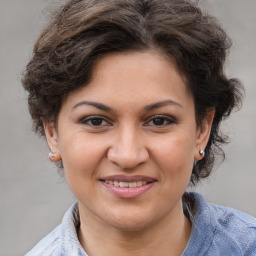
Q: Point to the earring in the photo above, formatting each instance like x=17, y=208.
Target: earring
x=51, y=155
x=201, y=152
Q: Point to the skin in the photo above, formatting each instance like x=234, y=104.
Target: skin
x=160, y=142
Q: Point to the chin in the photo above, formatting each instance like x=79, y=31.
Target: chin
x=131, y=220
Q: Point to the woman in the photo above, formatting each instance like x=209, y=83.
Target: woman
x=130, y=96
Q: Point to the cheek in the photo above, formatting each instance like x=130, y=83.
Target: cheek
x=175, y=155
x=80, y=155
x=81, y=160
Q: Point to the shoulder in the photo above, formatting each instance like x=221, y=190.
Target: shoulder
x=49, y=245
x=237, y=226
x=230, y=230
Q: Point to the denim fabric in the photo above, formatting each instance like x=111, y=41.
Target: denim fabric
x=220, y=231
x=216, y=231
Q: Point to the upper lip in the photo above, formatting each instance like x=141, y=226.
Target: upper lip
x=124, y=178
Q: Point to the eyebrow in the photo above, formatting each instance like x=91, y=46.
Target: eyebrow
x=149, y=107
x=162, y=104
x=94, y=104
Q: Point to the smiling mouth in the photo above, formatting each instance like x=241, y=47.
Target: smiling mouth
x=128, y=190
x=123, y=184
x=128, y=186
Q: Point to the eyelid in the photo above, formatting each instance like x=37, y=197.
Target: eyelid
x=170, y=120
x=85, y=120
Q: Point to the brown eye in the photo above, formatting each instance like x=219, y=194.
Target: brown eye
x=158, y=121
x=96, y=121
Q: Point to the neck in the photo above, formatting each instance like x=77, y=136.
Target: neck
x=169, y=237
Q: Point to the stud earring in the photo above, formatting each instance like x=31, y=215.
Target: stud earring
x=201, y=152
x=51, y=155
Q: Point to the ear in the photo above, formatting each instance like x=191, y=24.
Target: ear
x=203, y=134
x=52, y=141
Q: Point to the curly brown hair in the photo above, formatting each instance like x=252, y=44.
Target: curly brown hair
x=82, y=31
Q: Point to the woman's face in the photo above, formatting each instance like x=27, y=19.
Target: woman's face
x=128, y=141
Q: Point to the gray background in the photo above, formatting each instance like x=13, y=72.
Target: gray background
x=33, y=197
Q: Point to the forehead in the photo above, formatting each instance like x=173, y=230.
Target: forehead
x=141, y=77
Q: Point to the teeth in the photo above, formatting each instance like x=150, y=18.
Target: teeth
x=123, y=184
x=126, y=184
x=132, y=184
x=139, y=183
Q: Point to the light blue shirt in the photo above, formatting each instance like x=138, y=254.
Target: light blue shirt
x=216, y=231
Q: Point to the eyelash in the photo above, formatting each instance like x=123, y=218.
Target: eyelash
x=86, y=120
x=166, y=121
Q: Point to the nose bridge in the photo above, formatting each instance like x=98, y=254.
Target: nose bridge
x=128, y=142
x=128, y=149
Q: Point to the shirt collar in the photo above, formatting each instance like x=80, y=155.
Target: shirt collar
x=203, y=227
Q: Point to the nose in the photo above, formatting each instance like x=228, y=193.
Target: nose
x=128, y=149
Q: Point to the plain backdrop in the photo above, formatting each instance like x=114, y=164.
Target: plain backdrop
x=33, y=197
